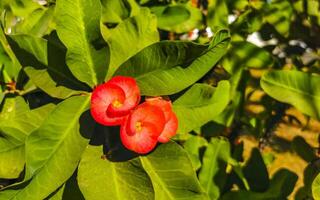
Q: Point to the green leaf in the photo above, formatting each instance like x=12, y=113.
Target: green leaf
x=58, y=195
x=316, y=188
x=299, y=89
x=213, y=174
x=115, y=11
x=178, y=18
x=15, y=126
x=281, y=185
x=227, y=116
x=279, y=13
x=192, y=146
x=129, y=37
x=13, y=68
x=78, y=27
x=246, y=55
x=168, y=61
x=37, y=23
x=161, y=55
x=171, y=173
x=217, y=14
x=102, y=179
x=44, y=62
x=54, y=150
x=200, y=104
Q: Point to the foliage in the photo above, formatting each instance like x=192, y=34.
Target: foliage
x=198, y=54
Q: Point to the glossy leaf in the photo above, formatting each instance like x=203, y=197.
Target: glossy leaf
x=143, y=32
x=78, y=27
x=157, y=76
x=299, y=89
x=102, y=179
x=58, y=141
x=200, y=104
x=171, y=173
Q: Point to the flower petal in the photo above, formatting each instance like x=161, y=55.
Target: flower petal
x=142, y=141
x=102, y=96
x=132, y=95
x=170, y=129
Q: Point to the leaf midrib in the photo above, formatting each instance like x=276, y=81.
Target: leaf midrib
x=86, y=42
x=180, y=66
x=291, y=88
x=114, y=174
x=68, y=129
x=212, y=166
x=161, y=183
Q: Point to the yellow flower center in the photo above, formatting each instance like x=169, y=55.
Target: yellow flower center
x=116, y=104
x=138, y=126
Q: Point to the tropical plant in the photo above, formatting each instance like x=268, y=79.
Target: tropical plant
x=147, y=99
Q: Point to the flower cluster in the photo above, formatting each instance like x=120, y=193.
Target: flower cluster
x=116, y=102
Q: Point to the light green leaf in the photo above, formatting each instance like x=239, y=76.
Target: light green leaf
x=178, y=18
x=246, y=55
x=171, y=173
x=13, y=68
x=316, y=188
x=279, y=13
x=78, y=27
x=16, y=123
x=42, y=79
x=213, y=174
x=102, y=179
x=44, y=62
x=130, y=37
x=37, y=23
x=169, y=61
x=217, y=14
x=58, y=195
x=227, y=116
x=54, y=150
x=200, y=104
x=192, y=146
x=299, y=89
x=115, y=11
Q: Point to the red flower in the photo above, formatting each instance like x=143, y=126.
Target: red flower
x=171, y=124
x=150, y=122
x=112, y=101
